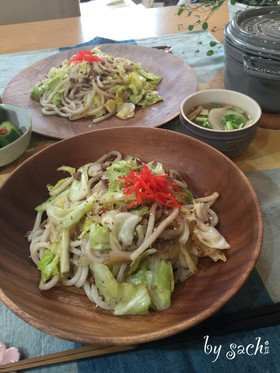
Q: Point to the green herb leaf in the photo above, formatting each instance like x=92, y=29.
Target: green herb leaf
x=205, y=26
x=213, y=43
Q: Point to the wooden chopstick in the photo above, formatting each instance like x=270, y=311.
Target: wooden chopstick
x=64, y=356
x=218, y=324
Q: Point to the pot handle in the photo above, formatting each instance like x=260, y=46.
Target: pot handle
x=268, y=69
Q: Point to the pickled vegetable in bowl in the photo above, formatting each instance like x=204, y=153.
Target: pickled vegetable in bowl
x=15, y=132
x=9, y=132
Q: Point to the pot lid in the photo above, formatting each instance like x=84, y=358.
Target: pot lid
x=256, y=31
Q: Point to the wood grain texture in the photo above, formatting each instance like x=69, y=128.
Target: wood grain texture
x=119, y=24
x=66, y=312
x=178, y=81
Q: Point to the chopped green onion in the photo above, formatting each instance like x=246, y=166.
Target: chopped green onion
x=233, y=121
x=201, y=119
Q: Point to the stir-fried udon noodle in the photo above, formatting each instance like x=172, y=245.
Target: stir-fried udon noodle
x=125, y=231
x=95, y=84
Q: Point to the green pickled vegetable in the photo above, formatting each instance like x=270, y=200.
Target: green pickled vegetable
x=3, y=114
x=8, y=133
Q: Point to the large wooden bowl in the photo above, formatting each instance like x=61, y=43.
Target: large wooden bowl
x=66, y=312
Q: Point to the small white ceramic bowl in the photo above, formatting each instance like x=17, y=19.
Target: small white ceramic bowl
x=232, y=143
x=22, y=120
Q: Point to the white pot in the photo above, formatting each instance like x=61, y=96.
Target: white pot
x=237, y=7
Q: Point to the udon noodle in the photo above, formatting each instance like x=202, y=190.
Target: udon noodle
x=96, y=228
x=95, y=84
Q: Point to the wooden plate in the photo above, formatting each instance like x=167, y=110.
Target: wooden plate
x=178, y=81
x=66, y=312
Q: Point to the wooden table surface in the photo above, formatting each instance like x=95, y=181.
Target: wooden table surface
x=124, y=23
x=119, y=24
